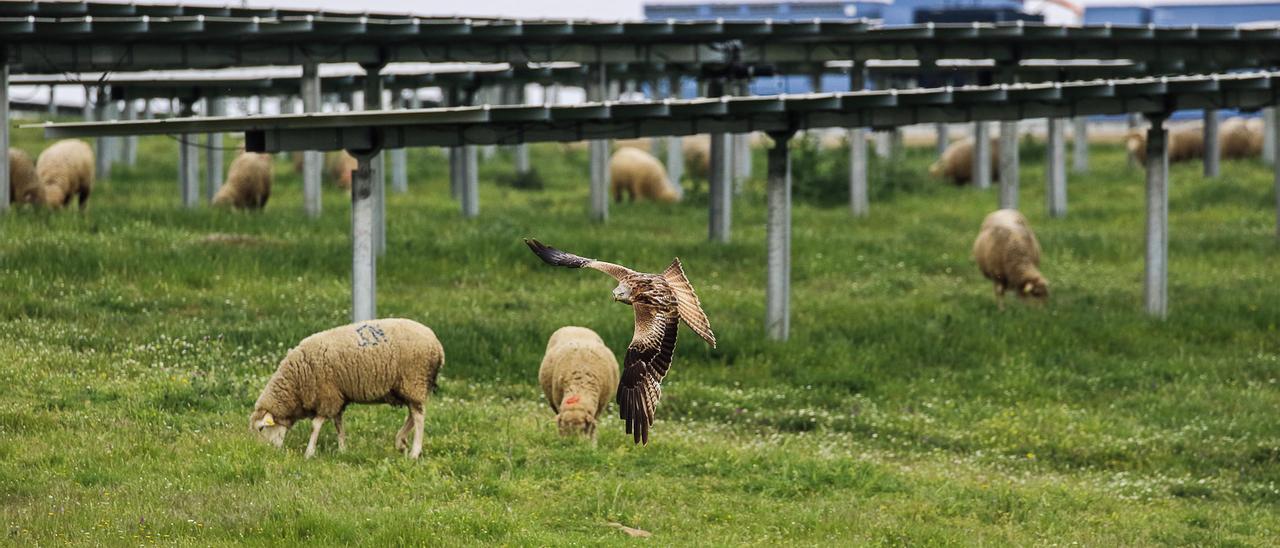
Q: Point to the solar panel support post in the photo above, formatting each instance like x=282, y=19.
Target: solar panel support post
x=1055, y=169
x=675, y=145
x=364, y=264
x=1157, y=240
x=188, y=161
x=942, y=134
x=5, y=190
x=597, y=91
x=1132, y=120
x=1010, y=156
x=129, y=154
x=53, y=100
x=778, y=236
x=399, y=156
x=1212, y=151
x=720, y=212
x=471, y=179
x=981, y=155
x=373, y=101
x=1080, y=144
x=1269, y=135
x=1275, y=150
x=859, y=202
x=103, y=152
x=312, y=160
x=214, y=106
x=515, y=95
x=655, y=143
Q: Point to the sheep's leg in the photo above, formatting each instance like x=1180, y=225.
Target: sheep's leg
x=342, y=432
x=316, y=423
x=402, y=437
x=415, y=410
x=999, y=287
x=84, y=198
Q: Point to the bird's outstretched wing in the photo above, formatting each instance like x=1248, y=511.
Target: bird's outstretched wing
x=553, y=256
x=687, y=302
x=646, y=364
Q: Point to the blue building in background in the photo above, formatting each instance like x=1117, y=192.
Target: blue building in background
x=1181, y=14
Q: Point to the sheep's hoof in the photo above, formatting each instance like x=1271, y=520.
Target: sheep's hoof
x=402, y=444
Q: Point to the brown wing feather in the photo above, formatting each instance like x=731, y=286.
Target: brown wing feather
x=555, y=257
x=688, y=303
x=648, y=359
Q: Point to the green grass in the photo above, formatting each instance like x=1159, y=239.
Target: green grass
x=905, y=409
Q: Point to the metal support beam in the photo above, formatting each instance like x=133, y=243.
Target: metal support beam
x=399, y=156
x=130, y=144
x=103, y=150
x=312, y=160
x=675, y=145
x=53, y=100
x=777, y=320
x=895, y=142
x=1157, y=242
x=1275, y=149
x=597, y=90
x=941, y=133
x=188, y=163
x=214, y=106
x=1269, y=135
x=373, y=101
x=1132, y=119
x=470, y=182
x=1056, y=169
x=5, y=190
x=364, y=264
x=859, y=202
x=1080, y=144
x=1212, y=151
x=520, y=152
x=981, y=155
x=1009, y=160
x=720, y=210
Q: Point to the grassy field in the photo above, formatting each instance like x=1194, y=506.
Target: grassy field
x=904, y=411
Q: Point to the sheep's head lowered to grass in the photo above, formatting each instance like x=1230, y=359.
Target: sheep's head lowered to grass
x=575, y=419
x=1036, y=289
x=268, y=428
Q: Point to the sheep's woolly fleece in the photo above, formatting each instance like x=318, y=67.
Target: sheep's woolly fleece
x=24, y=187
x=394, y=361
x=248, y=183
x=64, y=170
x=1008, y=254
x=637, y=173
x=956, y=162
x=579, y=376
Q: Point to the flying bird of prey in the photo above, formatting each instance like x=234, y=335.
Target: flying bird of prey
x=661, y=302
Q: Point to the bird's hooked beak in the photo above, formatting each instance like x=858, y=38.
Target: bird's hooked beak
x=622, y=294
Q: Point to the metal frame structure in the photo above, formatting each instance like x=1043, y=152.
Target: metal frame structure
x=366, y=134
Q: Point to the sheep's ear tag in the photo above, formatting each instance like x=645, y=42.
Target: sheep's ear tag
x=572, y=399
x=1026, y=289
x=267, y=420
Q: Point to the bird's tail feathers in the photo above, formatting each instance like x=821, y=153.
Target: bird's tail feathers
x=689, y=306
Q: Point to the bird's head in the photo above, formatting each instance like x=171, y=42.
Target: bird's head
x=622, y=293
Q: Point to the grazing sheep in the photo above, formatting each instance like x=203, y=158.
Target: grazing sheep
x=697, y=156
x=956, y=163
x=637, y=173
x=248, y=182
x=1256, y=139
x=24, y=187
x=340, y=165
x=392, y=361
x=579, y=375
x=1185, y=144
x=1236, y=140
x=65, y=169
x=1009, y=255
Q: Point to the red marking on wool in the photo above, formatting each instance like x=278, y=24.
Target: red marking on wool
x=572, y=399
